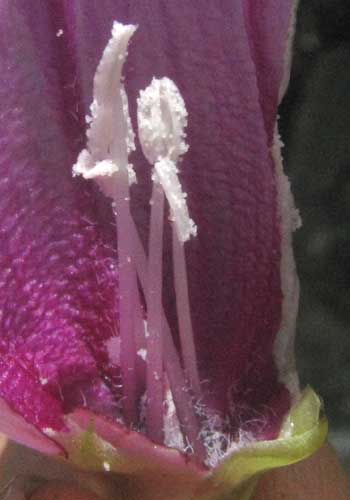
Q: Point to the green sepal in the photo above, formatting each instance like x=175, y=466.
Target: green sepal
x=303, y=432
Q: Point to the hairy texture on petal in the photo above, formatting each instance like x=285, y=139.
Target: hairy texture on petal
x=57, y=277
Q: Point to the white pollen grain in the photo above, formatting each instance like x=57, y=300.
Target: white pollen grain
x=106, y=466
x=142, y=353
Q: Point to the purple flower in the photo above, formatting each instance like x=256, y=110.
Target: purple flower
x=64, y=299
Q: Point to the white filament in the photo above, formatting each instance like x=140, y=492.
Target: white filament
x=154, y=341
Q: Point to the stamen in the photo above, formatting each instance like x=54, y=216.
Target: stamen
x=162, y=118
x=183, y=402
x=110, y=135
x=110, y=139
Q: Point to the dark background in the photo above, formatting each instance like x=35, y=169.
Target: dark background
x=315, y=126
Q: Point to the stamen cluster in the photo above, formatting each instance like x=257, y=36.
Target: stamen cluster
x=172, y=390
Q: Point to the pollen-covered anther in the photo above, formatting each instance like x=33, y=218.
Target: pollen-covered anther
x=110, y=137
x=162, y=118
x=86, y=167
x=166, y=175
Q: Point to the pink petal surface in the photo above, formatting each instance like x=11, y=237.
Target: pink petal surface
x=57, y=258
x=15, y=427
x=57, y=273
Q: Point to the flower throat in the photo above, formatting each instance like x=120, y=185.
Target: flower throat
x=168, y=405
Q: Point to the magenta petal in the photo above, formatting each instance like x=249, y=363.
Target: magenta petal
x=57, y=264
x=19, y=387
x=229, y=176
x=15, y=427
x=269, y=27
